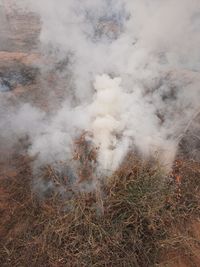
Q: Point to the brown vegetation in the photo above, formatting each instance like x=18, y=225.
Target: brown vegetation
x=137, y=217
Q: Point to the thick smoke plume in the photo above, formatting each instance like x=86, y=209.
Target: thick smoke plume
x=132, y=79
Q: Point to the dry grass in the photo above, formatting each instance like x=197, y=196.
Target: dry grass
x=133, y=219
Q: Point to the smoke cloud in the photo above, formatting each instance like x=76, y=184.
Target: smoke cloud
x=132, y=79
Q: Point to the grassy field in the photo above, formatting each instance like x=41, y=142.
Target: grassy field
x=137, y=217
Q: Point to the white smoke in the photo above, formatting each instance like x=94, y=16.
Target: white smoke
x=135, y=71
x=107, y=109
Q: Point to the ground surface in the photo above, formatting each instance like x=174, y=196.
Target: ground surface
x=35, y=232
